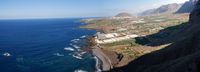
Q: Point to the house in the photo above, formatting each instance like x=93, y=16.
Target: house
x=102, y=36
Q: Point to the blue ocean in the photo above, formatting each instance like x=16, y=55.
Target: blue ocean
x=44, y=45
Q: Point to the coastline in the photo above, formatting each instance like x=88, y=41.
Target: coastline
x=104, y=61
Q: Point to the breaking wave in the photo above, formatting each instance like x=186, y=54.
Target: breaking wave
x=79, y=70
x=84, y=36
x=69, y=49
x=75, y=40
x=77, y=56
x=97, y=66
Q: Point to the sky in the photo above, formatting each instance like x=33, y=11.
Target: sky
x=14, y=9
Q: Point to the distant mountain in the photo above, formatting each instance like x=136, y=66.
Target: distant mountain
x=169, y=8
x=187, y=7
x=124, y=14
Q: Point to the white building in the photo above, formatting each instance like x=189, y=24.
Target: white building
x=103, y=36
x=112, y=37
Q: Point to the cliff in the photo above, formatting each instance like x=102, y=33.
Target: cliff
x=187, y=7
x=183, y=55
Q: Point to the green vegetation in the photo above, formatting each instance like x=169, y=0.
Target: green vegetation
x=152, y=24
x=154, y=28
x=131, y=53
x=130, y=42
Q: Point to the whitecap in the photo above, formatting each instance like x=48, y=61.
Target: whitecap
x=83, y=52
x=97, y=66
x=68, y=49
x=6, y=54
x=76, y=46
x=79, y=70
x=58, y=54
x=84, y=36
x=77, y=56
x=75, y=40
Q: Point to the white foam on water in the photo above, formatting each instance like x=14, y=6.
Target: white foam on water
x=75, y=40
x=76, y=46
x=79, y=70
x=97, y=66
x=6, y=54
x=58, y=54
x=77, y=56
x=83, y=52
x=84, y=36
x=69, y=49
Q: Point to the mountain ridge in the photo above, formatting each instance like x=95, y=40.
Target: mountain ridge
x=169, y=8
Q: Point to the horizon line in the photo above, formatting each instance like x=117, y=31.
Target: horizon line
x=49, y=18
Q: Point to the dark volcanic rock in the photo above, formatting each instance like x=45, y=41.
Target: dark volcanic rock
x=187, y=7
x=182, y=56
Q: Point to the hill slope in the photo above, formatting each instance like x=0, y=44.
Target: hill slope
x=182, y=56
x=124, y=14
x=169, y=8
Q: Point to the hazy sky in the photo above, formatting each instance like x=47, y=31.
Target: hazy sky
x=74, y=8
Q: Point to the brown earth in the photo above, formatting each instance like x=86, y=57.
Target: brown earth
x=183, y=55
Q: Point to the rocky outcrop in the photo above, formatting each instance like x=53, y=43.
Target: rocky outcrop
x=182, y=56
x=187, y=7
x=170, y=8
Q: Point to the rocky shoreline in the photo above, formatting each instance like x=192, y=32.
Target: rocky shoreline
x=105, y=63
x=106, y=60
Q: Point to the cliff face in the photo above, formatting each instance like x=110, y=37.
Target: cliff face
x=170, y=8
x=187, y=7
x=182, y=56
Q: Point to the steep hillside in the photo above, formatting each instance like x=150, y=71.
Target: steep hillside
x=170, y=8
x=187, y=7
x=182, y=56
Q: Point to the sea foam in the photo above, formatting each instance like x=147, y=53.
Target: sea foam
x=77, y=56
x=97, y=66
x=69, y=49
x=79, y=70
x=75, y=40
x=6, y=54
x=76, y=46
x=84, y=36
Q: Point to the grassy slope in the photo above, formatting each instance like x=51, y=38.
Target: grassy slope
x=129, y=48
